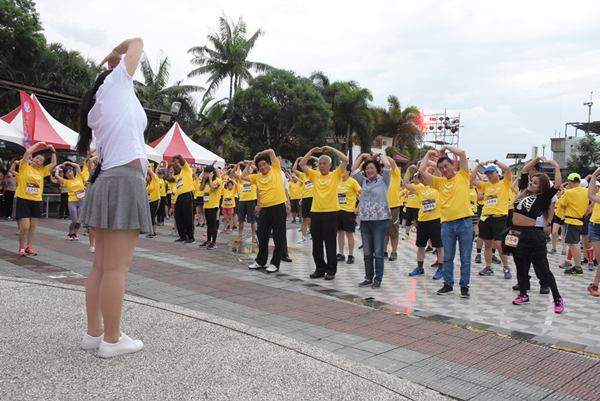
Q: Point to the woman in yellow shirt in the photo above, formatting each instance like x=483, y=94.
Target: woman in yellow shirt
x=153, y=188
x=76, y=187
x=229, y=193
x=211, y=187
x=29, y=207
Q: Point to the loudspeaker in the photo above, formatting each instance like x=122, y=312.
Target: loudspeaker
x=238, y=157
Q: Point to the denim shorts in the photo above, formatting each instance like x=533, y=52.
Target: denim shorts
x=593, y=232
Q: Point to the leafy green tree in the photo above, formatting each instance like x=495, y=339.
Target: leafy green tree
x=281, y=111
x=585, y=159
x=351, y=109
x=228, y=58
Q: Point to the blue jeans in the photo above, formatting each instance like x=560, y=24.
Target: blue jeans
x=461, y=230
x=373, y=237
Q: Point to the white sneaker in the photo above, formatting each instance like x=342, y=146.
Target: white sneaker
x=89, y=342
x=272, y=268
x=591, y=266
x=125, y=345
x=255, y=266
x=302, y=240
x=92, y=249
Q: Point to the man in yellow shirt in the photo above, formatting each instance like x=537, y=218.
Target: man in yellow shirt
x=184, y=191
x=456, y=213
x=307, y=198
x=247, y=205
x=296, y=186
x=348, y=191
x=575, y=204
x=273, y=209
x=324, y=209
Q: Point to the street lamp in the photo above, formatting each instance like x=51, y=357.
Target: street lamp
x=544, y=149
x=589, y=104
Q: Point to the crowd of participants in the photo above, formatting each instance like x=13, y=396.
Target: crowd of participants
x=117, y=194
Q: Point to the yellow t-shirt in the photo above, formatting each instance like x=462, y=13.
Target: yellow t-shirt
x=454, y=196
x=184, y=181
x=560, y=212
x=229, y=196
x=473, y=198
x=296, y=189
x=511, y=199
x=430, y=202
x=495, y=197
x=576, y=202
x=307, y=188
x=403, y=198
x=31, y=182
x=76, y=188
x=162, y=187
x=595, y=213
x=171, y=187
x=325, y=190
x=412, y=200
x=211, y=198
x=480, y=202
x=272, y=191
x=153, y=188
x=347, y=193
x=85, y=174
x=197, y=192
x=247, y=191
x=394, y=189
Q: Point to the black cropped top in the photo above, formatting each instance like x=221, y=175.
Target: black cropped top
x=533, y=206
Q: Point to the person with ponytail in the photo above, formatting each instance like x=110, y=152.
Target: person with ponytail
x=116, y=202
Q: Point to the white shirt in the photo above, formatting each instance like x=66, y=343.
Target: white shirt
x=118, y=121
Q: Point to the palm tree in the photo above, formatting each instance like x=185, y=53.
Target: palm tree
x=402, y=125
x=228, y=59
x=213, y=130
x=351, y=108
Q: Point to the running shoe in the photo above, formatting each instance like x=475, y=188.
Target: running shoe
x=303, y=240
x=507, y=274
x=238, y=239
x=376, y=286
x=22, y=252
x=591, y=266
x=552, y=251
x=575, y=271
x=293, y=221
x=149, y=236
x=464, y=292
x=86, y=232
x=564, y=252
x=255, y=266
x=565, y=265
x=417, y=272
x=385, y=254
x=300, y=220
x=272, y=268
x=393, y=256
x=559, y=306
x=340, y=257
x=405, y=237
x=30, y=251
x=9, y=218
x=254, y=239
x=593, y=289
x=445, y=290
x=173, y=233
x=521, y=299
x=478, y=258
x=366, y=283
x=486, y=272
x=180, y=240
x=204, y=244
x=92, y=249
x=69, y=237
x=413, y=230
x=428, y=249
x=75, y=237
x=436, y=264
x=189, y=241
x=438, y=274
x=350, y=260
x=495, y=260
x=235, y=227
x=211, y=246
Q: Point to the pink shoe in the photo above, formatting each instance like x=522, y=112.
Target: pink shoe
x=70, y=237
x=521, y=299
x=559, y=307
x=75, y=237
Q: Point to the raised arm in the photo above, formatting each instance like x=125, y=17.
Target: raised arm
x=132, y=49
x=359, y=160
x=343, y=158
x=558, y=175
x=31, y=150
x=307, y=157
x=269, y=152
x=475, y=175
x=406, y=180
x=246, y=173
x=58, y=177
x=77, y=168
x=527, y=168
x=464, y=162
x=424, y=175
x=592, y=188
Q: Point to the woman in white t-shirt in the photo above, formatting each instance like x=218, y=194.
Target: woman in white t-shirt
x=116, y=202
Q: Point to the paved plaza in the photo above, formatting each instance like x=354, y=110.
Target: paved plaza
x=215, y=330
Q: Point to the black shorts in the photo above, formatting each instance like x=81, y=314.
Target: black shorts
x=346, y=221
x=412, y=214
x=492, y=228
x=306, y=205
x=26, y=209
x=584, y=229
x=509, y=218
x=247, y=209
x=558, y=220
x=572, y=234
x=199, y=201
x=429, y=230
x=295, y=205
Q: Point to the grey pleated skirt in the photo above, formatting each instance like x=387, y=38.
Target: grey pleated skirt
x=118, y=200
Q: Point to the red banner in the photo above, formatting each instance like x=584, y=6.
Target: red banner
x=28, y=119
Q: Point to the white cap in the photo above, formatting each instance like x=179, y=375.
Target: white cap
x=584, y=183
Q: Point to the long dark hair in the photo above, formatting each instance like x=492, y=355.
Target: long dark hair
x=87, y=102
x=544, y=186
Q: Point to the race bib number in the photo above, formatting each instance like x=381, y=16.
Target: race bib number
x=172, y=197
x=80, y=194
x=228, y=202
x=342, y=199
x=472, y=205
x=412, y=196
x=308, y=184
x=179, y=183
x=247, y=188
x=32, y=189
x=491, y=200
x=512, y=239
x=206, y=197
x=428, y=205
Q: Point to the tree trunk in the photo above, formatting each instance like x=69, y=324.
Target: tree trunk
x=348, y=145
x=231, y=77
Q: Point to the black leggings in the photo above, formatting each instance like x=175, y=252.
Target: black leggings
x=153, y=210
x=64, y=204
x=160, y=214
x=212, y=225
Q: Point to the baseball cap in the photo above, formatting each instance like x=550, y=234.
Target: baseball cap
x=574, y=177
x=490, y=169
x=584, y=183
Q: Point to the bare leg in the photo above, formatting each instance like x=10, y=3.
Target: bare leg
x=33, y=222
x=504, y=258
x=421, y=255
x=489, y=245
x=576, y=254
x=341, y=241
x=92, y=234
x=23, y=230
x=394, y=242
x=555, y=228
x=350, y=237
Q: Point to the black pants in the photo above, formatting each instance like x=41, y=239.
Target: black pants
x=184, y=215
x=160, y=214
x=212, y=225
x=64, y=204
x=324, y=230
x=153, y=210
x=8, y=202
x=271, y=219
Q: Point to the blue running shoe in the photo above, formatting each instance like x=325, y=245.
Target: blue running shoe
x=438, y=274
x=417, y=272
x=486, y=272
x=507, y=273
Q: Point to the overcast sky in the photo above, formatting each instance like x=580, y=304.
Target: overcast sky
x=516, y=71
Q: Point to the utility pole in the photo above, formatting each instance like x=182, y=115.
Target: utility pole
x=589, y=104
